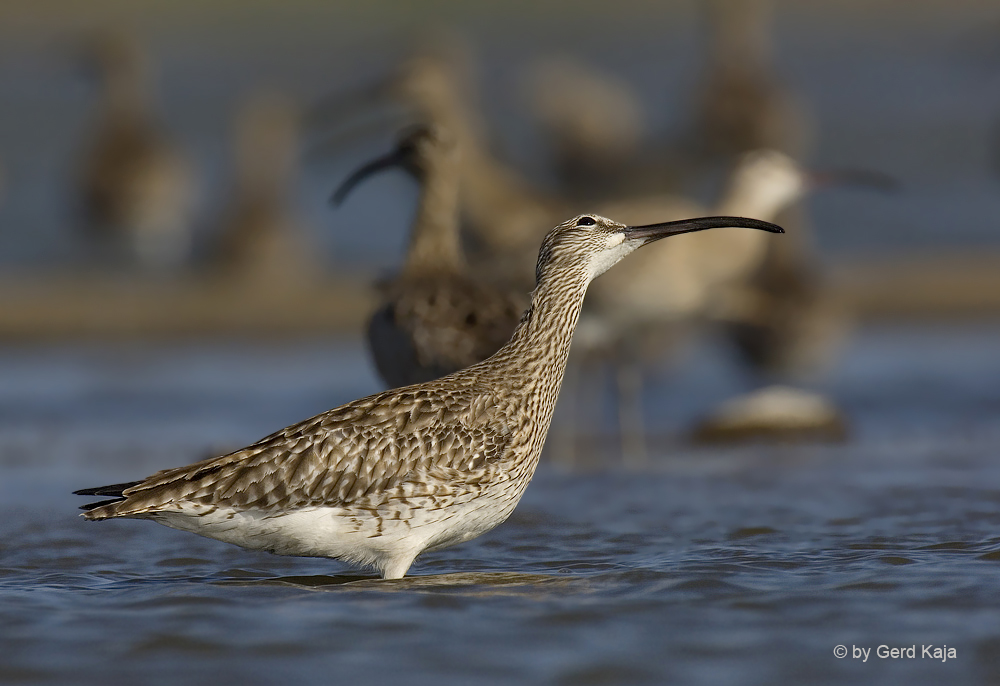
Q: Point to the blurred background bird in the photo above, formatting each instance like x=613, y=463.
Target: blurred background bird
x=136, y=187
x=591, y=124
x=437, y=317
x=260, y=237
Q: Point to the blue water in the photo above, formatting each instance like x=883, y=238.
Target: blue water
x=708, y=565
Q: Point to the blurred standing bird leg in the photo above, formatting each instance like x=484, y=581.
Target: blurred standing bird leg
x=137, y=190
x=631, y=420
x=379, y=481
x=437, y=318
x=260, y=238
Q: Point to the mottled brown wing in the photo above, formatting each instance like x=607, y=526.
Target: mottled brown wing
x=346, y=456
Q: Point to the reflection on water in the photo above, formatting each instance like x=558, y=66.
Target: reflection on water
x=464, y=583
x=710, y=565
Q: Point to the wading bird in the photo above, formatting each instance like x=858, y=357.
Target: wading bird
x=380, y=480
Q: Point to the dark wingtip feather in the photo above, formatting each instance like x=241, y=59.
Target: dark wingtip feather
x=116, y=490
x=100, y=503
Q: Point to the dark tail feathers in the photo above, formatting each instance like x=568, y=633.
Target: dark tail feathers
x=115, y=490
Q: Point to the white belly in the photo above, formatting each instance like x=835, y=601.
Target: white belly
x=388, y=539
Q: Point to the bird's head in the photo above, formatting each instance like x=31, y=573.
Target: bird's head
x=589, y=245
x=773, y=179
x=420, y=150
x=766, y=181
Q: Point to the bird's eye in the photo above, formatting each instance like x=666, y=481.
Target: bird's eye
x=586, y=221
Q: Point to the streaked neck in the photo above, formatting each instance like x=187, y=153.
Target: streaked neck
x=537, y=352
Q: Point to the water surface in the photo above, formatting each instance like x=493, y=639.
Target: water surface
x=721, y=565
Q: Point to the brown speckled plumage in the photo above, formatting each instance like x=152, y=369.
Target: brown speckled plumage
x=382, y=479
x=322, y=460
x=428, y=328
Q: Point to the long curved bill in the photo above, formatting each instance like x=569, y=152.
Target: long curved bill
x=393, y=159
x=654, y=232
